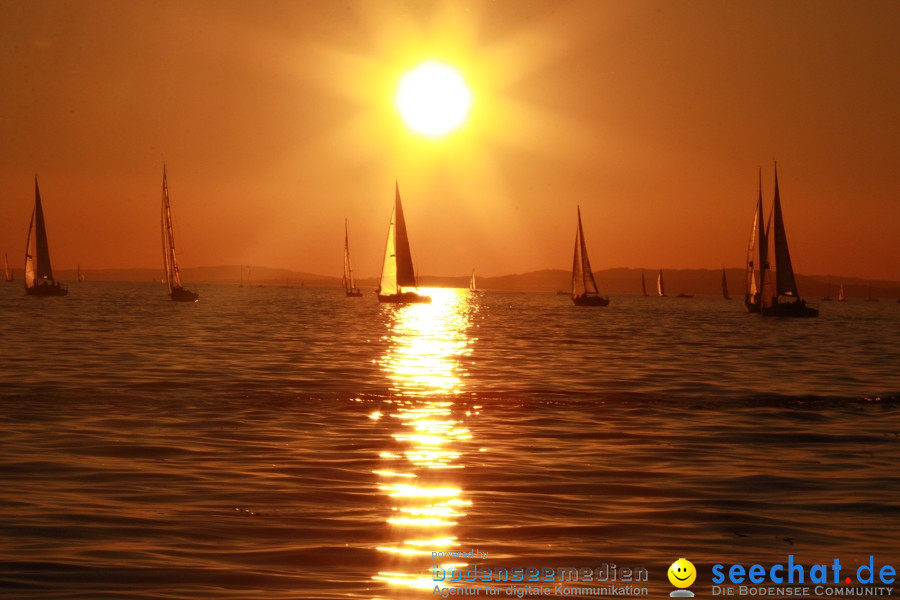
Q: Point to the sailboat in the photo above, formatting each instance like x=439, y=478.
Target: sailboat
x=584, y=286
x=785, y=282
x=725, y=286
x=643, y=285
x=79, y=277
x=397, y=271
x=472, y=287
x=177, y=291
x=660, y=285
x=841, y=297
x=9, y=275
x=38, y=274
x=349, y=289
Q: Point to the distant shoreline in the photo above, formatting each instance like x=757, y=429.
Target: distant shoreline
x=614, y=281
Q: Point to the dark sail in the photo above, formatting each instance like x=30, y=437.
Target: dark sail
x=785, y=282
x=43, y=270
x=406, y=275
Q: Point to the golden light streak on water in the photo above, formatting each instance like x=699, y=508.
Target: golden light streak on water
x=423, y=362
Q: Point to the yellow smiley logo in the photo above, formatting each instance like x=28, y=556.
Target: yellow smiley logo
x=682, y=573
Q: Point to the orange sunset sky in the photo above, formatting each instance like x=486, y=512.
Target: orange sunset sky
x=276, y=121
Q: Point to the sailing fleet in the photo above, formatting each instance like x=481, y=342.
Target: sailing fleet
x=771, y=286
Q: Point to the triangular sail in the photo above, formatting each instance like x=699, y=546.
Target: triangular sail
x=583, y=281
x=643, y=285
x=725, y=286
x=660, y=286
x=388, y=285
x=406, y=274
x=6, y=267
x=841, y=293
x=785, y=283
x=472, y=282
x=348, y=268
x=42, y=268
x=173, y=277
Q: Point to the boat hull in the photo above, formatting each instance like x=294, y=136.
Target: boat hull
x=354, y=293
x=182, y=295
x=404, y=298
x=44, y=291
x=797, y=309
x=585, y=300
x=751, y=303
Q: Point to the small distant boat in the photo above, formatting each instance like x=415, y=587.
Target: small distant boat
x=725, y=286
x=350, y=290
x=9, y=274
x=177, y=291
x=660, y=285
x=584, y=286
x=785, y=282
x=472, y=287
x=643, y=285
x=841, y=297
x=38, y=273
x=397, y=271
x=79, y=276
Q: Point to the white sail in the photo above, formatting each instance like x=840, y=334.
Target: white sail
x=472, y=287
x=349, y=286
x=841, y=293
x=660, y=286
x=389, y=285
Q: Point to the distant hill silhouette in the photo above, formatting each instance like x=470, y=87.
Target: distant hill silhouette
x=610, y=281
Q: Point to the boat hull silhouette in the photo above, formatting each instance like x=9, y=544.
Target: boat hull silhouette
x=586, y=300
x=404, y=298
x=45, y=290
x=179, y=294
x=797, y=308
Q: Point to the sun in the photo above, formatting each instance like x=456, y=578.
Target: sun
x=433, y=99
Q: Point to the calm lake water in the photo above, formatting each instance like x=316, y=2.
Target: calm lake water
x=275, y=442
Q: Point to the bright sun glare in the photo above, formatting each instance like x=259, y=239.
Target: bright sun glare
x=433, y=99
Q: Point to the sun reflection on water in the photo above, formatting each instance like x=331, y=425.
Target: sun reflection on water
x=419, y=479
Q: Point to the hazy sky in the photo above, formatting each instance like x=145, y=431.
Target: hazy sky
x=276, y=121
